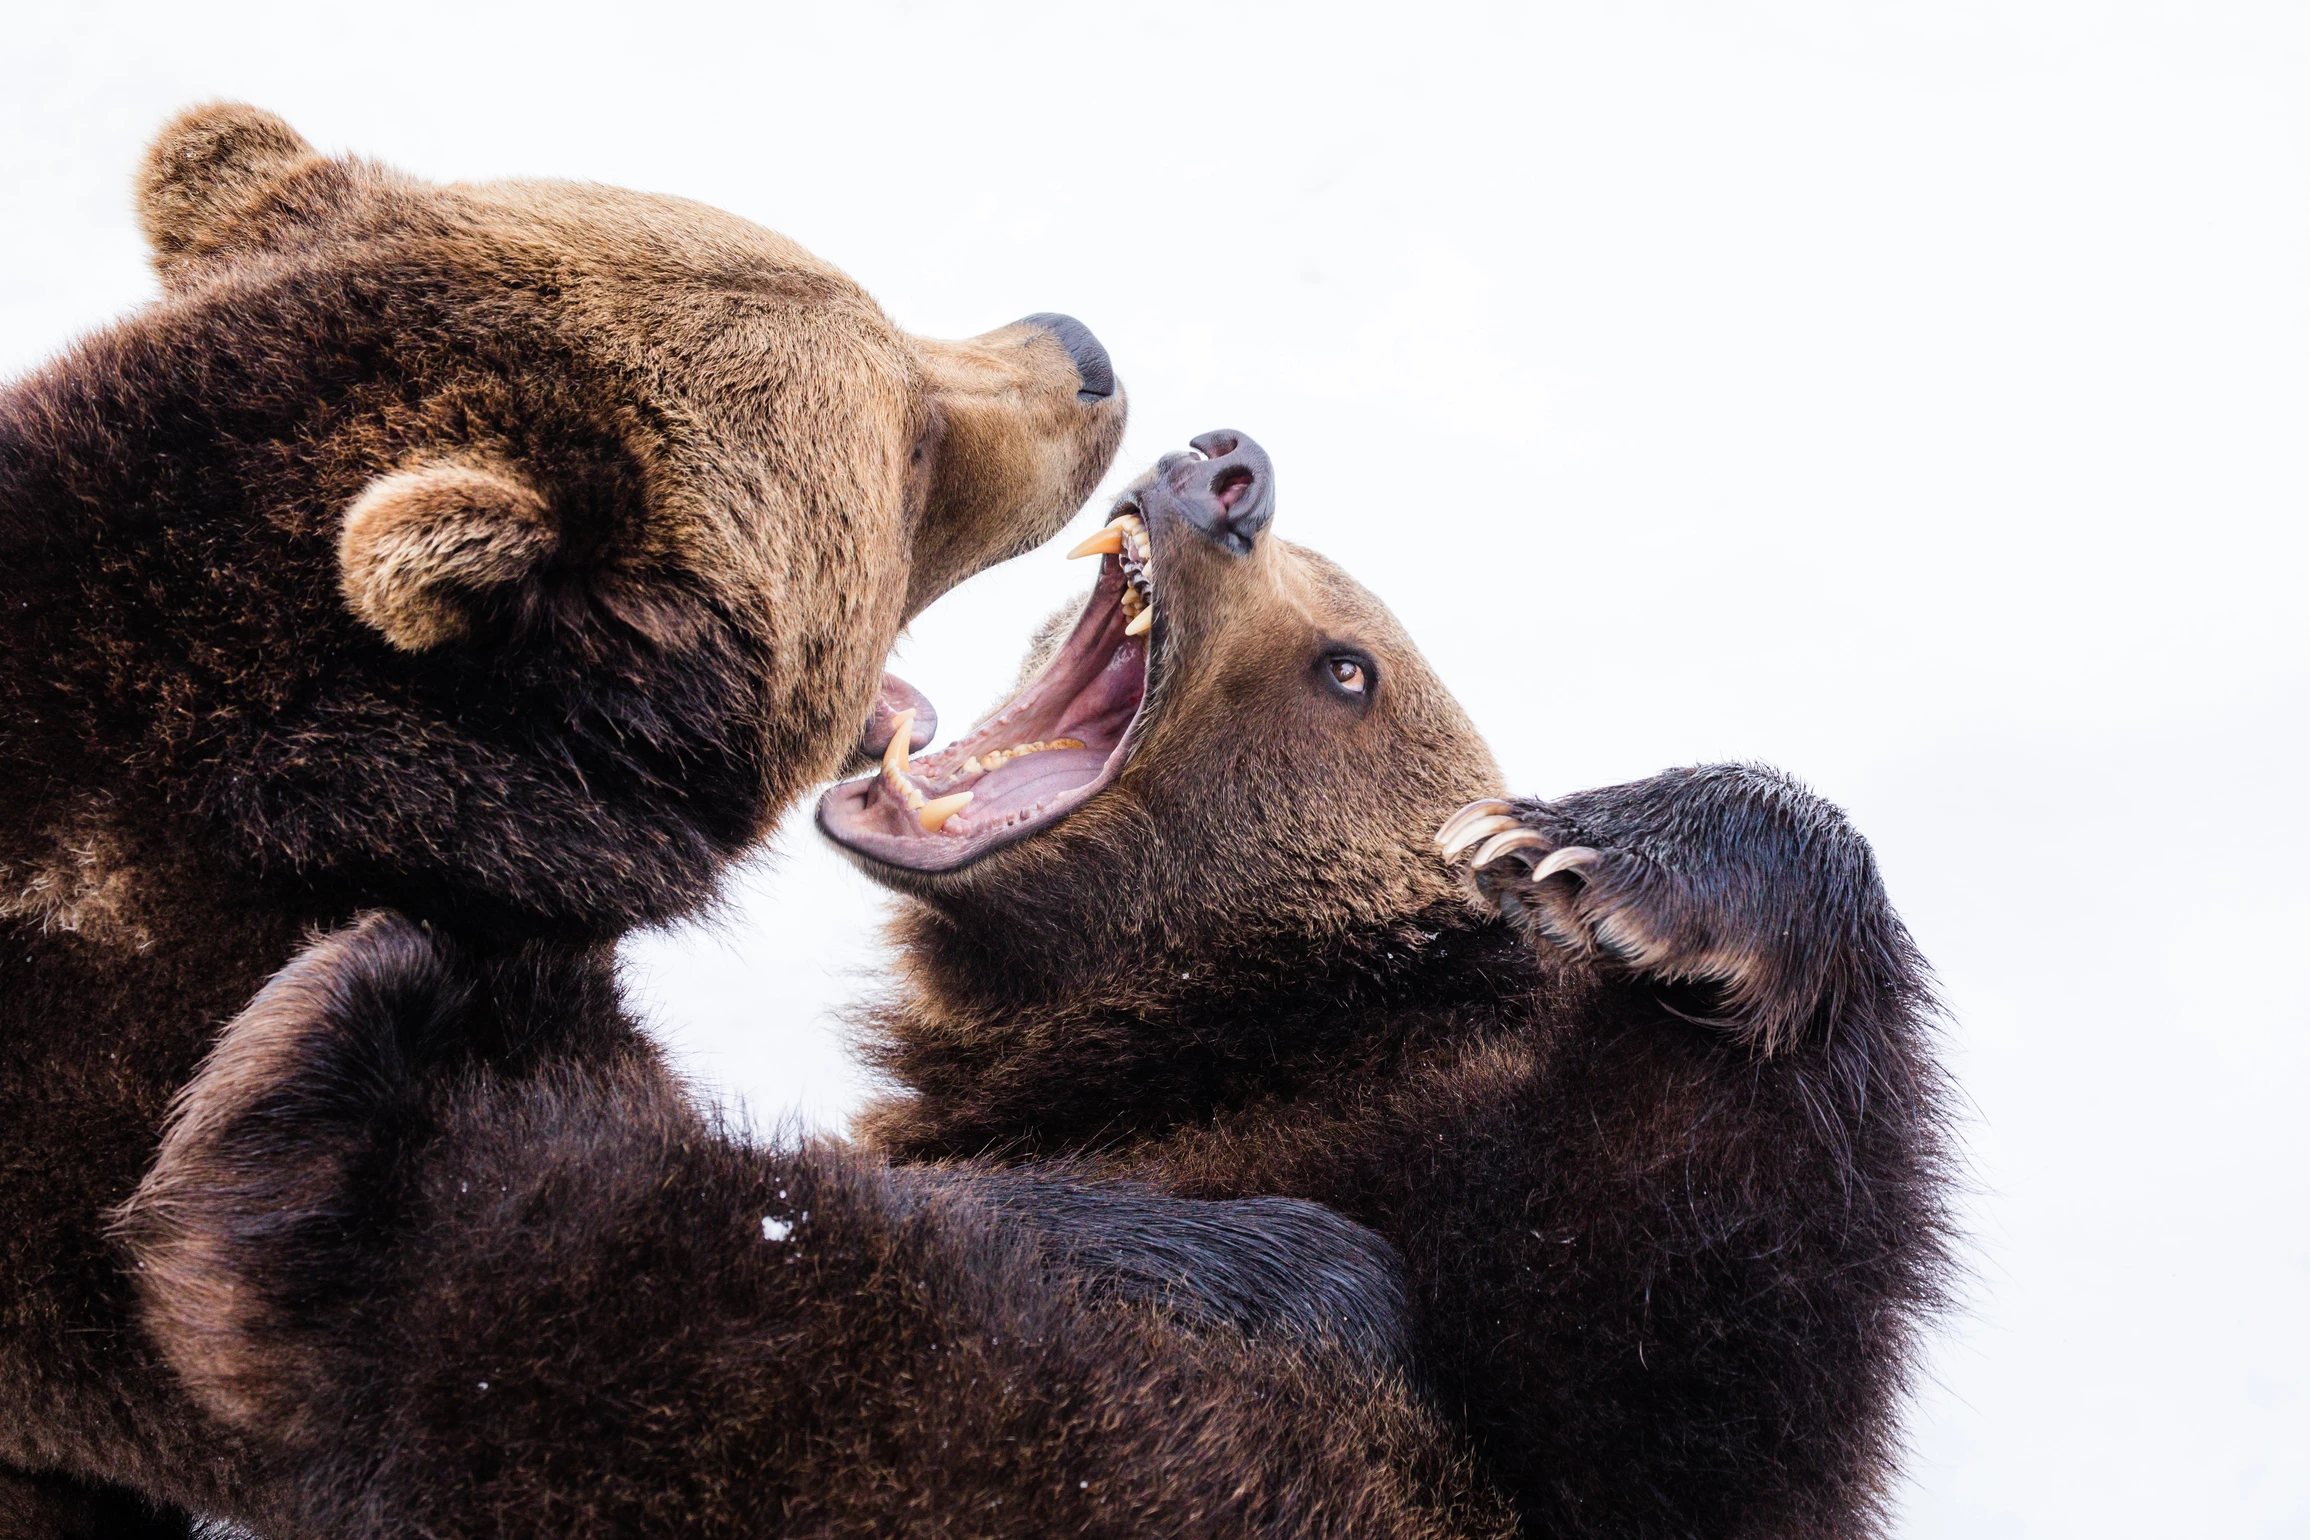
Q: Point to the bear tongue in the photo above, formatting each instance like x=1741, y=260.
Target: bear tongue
x=1020, y=783
x=892, y=697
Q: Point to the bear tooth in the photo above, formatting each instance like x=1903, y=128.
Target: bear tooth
x=1141, y=623
x=932, y=815
x=894, y=758
x=894, y=765
x=902, y=788
x=1020, y=750
x=1107, y=542
x=971, y=766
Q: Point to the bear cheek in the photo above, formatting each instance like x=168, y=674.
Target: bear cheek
x=421, y=548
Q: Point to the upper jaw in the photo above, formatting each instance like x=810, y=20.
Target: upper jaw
x=1051, y=748
x=1066, y=737
x=1022, y=442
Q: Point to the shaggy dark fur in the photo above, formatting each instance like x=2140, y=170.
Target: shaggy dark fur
x=465, y=1298
x=1659, y=1135
x=1276, y=1269
x=512, y=553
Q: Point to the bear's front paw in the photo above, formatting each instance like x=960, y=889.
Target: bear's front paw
x=1575, y=891
x=1528, y=861
x=1745, y=898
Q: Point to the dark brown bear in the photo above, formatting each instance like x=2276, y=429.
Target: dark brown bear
x=509, y=553
x=543, y=1295
x=1649, y=1110
x=1650, y=1113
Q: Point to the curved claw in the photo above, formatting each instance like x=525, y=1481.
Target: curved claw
x=1488, y=807
x=1518, y=838
x=1468, y=834
x=1572, y=858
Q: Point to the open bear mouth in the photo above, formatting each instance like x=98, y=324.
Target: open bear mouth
x=1044, y=753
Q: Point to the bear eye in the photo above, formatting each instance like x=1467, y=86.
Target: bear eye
x=1348, y=674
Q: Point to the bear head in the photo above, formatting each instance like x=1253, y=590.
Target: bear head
x=1228, y=756
x=510, y=551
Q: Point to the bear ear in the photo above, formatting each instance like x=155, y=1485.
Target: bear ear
x=206, y=174
x=426, y=550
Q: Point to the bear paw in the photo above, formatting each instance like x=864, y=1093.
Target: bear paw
x=1527, y=862
x=1748, y=901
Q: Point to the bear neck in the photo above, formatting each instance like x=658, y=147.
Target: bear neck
x=992, y=1056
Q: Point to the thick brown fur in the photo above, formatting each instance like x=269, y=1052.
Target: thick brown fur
x=509, y=553
x=462, y=1286
x=1659, y=1136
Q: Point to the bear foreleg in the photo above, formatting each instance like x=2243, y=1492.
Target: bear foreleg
x=457, y=1295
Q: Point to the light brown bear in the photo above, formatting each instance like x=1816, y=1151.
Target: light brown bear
x=508, y=553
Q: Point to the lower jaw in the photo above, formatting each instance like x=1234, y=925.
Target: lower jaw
x=1061, y=741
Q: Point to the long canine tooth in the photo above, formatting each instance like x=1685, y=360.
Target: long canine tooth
x=1488, y=807
x=1107, y=542
x=932, y=815
x=1141, y=623
x=1471, y=833
x=894, y=758
x=895, y=763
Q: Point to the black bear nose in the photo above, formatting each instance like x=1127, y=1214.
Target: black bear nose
x=1228, y=495
x=1092, y=365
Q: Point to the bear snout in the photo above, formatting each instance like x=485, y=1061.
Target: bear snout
x=1224, y=490
x=1092, y=365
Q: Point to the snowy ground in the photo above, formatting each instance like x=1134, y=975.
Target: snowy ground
x=1911, y=394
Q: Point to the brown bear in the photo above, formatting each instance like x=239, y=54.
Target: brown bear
x=1650, y=1108
x=510, y=553
x=541, y=1293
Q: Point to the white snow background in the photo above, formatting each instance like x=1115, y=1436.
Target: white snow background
x=1911, y=395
